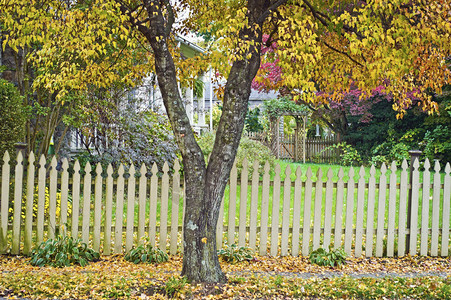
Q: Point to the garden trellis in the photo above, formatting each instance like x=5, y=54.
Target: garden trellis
x=283, y=212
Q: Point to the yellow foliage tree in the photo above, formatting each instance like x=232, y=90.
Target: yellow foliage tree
x=324, y=45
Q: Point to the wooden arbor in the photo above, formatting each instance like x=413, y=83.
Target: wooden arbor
x=298, y=148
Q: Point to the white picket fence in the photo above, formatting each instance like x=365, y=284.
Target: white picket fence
x=278, y=216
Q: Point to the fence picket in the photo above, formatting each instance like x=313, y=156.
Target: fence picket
x=86, y=204
x=4, y=204
x=317, y=209
x=175, y=207
x=131, y=186
x=339, y=210
x=108, y=211
x=307, y=213
x=64, y=194
x=414, y=210
x=220, y=225
x=164, y=207
x=370, y=212
x=349, y=212
x=28, y=230
x=359, y=217
x=243, y=204
x=425, y=208
x=142, y=193
x=402, y=217
x=97, y=208
x=286, y=212
x=17, y=207
x=264, y=212
x=153, y=204
x=296, y=213
x=446, y=211
x=52, y=198
x=41, y=201
x=275, y=212
x=119, y=210
x=328, y=210
x=435, y=210
x=232, y=206
x=391, y=212
x=381, y=212
x=254, y=207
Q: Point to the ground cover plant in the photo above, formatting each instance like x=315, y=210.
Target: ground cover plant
x=331, y=258
x=145, y=253
x=262, y=278
x=63, y=251
x=234, y=254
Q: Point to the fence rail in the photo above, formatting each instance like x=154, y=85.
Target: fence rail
x=286, y=212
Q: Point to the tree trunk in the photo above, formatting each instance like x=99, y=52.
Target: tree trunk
x=205, y=185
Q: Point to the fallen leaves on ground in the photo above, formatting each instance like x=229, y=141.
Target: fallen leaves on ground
x=261, y=278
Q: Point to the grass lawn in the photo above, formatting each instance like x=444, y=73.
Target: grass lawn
x=261, y=278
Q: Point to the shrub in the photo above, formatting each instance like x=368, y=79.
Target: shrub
x=349, y=155
x=145, y=253
x=331, y=258
x=138, y=137
x=216, y=114
x=250, y=149
x=437, y=143
x=233, y=254
x=175, y=285
x=12, y=117
x=63, y=252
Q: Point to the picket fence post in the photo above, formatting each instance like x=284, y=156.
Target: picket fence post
x=175, y=207
x=243, y=205
x=349, y=212
x=254, y=206
x=130, y=208
x=28, y=230
x=446, y=211
x=4, y=202
x=275, y=213
x=359, y=218
x=108, y=210
x=17, y=208
x=119, y=211
x=264, y=211
x=296, y=212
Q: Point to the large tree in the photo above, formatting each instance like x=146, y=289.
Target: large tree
x=323, y=45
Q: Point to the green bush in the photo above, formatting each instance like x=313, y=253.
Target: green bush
x=249, y=149
x=175, y=285
x=145, y=253
x=233, y=254
x=331, y=258
x=63, y=252
x=349, y=156
x=12, y=117
x=437, y=143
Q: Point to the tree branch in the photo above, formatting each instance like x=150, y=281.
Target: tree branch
x=171, y=18
x=343, y=53
x=325, y=19
x=270, y=9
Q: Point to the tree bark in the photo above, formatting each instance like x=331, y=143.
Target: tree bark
x=205, y=185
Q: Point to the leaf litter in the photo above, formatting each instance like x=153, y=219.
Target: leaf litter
x=288, y=277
